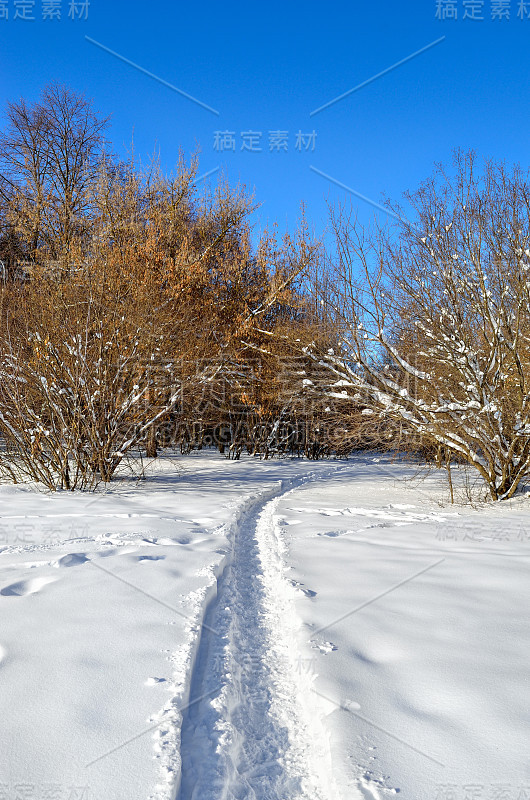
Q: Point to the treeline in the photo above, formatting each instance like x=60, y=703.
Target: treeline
x=135, y=311
x=138, y=311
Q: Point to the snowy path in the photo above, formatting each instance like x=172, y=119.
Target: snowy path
x=253, y=727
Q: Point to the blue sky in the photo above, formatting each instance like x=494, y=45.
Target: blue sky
x=266, y=67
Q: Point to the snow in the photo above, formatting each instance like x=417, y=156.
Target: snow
x=425, y=609
x=280, y=629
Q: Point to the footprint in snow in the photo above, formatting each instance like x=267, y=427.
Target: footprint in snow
x=301, y=588
x=142, y=559
x=373, y=789
x=112, y=551
x=167, y=542
x=71, y=560
x=368, y=789
x=324, y=647
x=23, y=588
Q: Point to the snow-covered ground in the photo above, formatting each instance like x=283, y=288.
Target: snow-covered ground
x=265, y=630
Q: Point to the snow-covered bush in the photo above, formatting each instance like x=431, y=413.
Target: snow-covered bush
x=71, y=407
x=434, y=321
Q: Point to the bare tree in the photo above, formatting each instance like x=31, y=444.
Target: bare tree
x=433, y=317
x=49, y=156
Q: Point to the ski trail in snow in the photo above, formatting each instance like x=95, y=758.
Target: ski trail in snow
x=253, y=729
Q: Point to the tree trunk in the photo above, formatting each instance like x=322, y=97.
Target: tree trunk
x=449, y=478
x=151, y=449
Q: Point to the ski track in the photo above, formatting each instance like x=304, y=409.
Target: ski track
x=251, y=728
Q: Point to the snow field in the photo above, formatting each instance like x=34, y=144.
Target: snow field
x=263, y=631
x=419, y=621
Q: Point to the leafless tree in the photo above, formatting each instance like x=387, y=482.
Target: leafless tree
x=50, y=151
x=432, y=314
